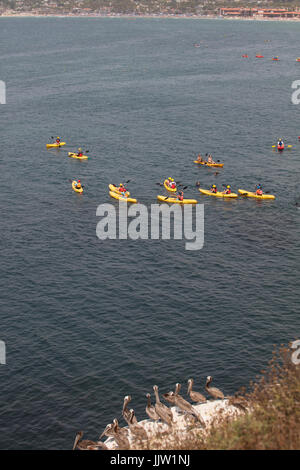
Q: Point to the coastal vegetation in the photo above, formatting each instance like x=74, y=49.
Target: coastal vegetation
x=137, y=7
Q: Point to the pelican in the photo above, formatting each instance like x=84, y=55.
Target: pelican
x=120, y=435
x=125, y=411
x=170, y=397
x=213, y=391
x=108, y=431
x=136, y=429
x=195, y=396
x=150, y=409
x=162, y=410
x=86, y=444
x=185, y=405
x=118, y=430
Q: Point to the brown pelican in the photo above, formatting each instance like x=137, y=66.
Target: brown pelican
x=125, y=411
x=86, y=444
x=120, y=435
x=118, y=430
x=136, y=429
x=195, y=396
x=162, y=410
x=213, y=391
x=185, y=405
x=108, y=431
x=150, y=409
x=170, y=397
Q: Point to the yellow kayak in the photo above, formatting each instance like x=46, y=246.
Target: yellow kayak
x=74, y=155
x=121, y=198
x=220, y=165
x=80, y=190
x=168, y=187
x=113, y=188
x=49, y=146
x=173, y=200
x=207, y=192
x=252, y=194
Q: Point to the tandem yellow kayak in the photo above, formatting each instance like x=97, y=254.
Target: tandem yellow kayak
x=74, y=184
x=172, y=190
x=219, y=165
x=242, y=192
x=207, y=192
x=173, y=200
x=113, y=188
x=49, y=146
x=121, y=198
x=74, y=155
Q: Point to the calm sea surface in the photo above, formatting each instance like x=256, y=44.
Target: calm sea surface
x=86, y=322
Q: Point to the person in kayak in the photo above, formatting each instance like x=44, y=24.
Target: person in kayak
x=259, y=190
x=78, y=185
x=227, y=190
x=199, y=158
x=58, y=140
x=169, y=181
x=280, y=143
x=213, y=188
x=122, y=188
x=79, y=153
x=210, y=159
x=173, y=184
x=180, y=196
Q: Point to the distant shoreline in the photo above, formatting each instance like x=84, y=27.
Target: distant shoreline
x=150, y=16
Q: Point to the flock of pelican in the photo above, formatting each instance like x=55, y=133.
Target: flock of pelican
x=158, y=412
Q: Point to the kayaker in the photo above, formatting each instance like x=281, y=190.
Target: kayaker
x=57, y=140
x=79, y=153
x=122, y=188
x=199, y=158
x=227, y=190
x=213, y=188
x=280, y=143
x=78, y=185
x=210, y=159
x=173, y=184
x=168, y=181
x=259, y=190
x=180, y=196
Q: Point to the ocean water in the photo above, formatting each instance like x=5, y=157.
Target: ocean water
x=87, y=322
